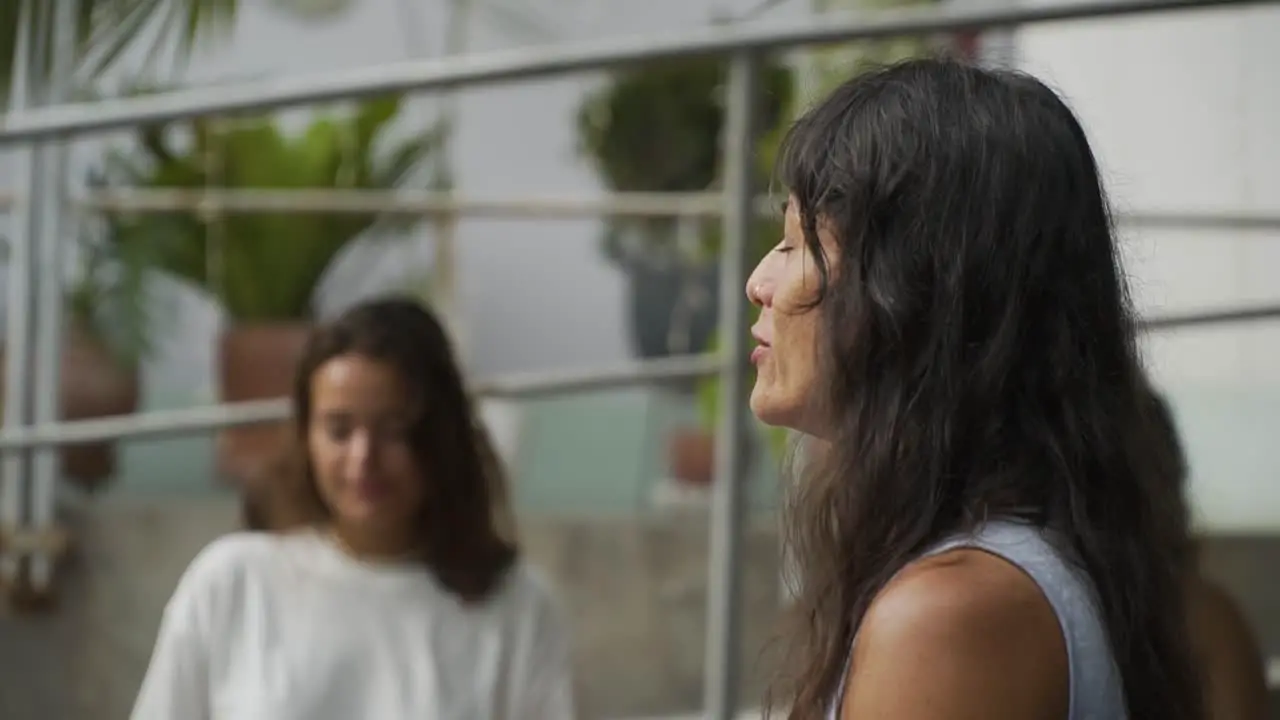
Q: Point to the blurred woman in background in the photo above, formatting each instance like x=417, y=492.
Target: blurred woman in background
x=390, y=586
x=1232, y=669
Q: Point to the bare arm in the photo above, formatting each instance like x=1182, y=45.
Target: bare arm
x=961, y=636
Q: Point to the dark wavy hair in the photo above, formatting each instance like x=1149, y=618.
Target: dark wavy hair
x=466, y=524
x=978, y=358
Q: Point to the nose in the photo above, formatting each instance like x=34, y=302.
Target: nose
x=360, y=455
x=759, y=289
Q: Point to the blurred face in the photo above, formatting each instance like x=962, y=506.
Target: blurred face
x=784, y=285
x=359, y=446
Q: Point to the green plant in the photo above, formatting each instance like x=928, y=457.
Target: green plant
x=105, y=30
x=108, y=30
x=108, y=299
x=656, y=127
x=264, y=266
x=830, y=65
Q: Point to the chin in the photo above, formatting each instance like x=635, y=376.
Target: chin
x=366, y=514
x=771, y=412
x=788, y=413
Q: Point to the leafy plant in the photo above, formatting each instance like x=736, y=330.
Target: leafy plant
x=657, y=126
x=109, y=297
x=831, y=65
x=106, y=30
x=264, y=266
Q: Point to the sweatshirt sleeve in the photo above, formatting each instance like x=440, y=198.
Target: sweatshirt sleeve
x=547, y=691
x=176, y=684
x=177, y=680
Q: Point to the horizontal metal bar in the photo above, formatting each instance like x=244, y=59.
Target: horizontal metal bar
x=1211, y=317
x=406, y=202
x=211, y=201
x=191, y=420
x=447, y=73
x=529, y=385
x=1214, y=220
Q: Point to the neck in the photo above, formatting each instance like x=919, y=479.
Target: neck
x=376, y=544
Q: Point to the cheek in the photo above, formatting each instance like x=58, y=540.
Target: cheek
x=794, y=368
x=326, y=459
x=398, y=464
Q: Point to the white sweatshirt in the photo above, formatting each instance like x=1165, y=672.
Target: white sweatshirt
x=288, y=627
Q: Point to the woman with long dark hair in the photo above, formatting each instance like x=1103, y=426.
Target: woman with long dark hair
x=388, y=585
x=983, y=531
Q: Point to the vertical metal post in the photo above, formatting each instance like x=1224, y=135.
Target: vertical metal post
x=444, y=278
x=14, y=480
x=729, y=489
x=54, y=223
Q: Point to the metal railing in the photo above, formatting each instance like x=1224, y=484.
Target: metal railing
x=36, y=221
x=208, y=202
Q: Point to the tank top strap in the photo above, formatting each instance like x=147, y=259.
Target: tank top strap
x=1096, y=691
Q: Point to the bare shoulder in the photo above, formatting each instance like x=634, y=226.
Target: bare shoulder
x=1213, y=608
x=963, y=634
x=1236, y=683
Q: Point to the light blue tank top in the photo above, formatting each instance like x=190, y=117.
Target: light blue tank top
x=1096, y=691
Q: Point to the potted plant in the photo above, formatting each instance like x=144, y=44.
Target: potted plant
x=657, y=127
x=263, y=268
x=106, y=336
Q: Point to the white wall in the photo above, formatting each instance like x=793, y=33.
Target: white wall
x=1184, y=113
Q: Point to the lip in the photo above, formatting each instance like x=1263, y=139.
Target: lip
x=759, y=337
x=371, y=489
x=761, y=349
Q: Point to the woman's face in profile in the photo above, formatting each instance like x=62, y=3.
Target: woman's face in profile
x=359, y=445
x=784, y=285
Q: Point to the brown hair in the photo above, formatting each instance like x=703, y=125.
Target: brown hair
x=467, y=525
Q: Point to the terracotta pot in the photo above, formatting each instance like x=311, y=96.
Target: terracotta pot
x=256, y=362
x=691, y=454
x=93, y=385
